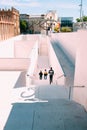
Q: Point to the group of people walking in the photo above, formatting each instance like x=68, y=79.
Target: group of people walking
x=46, y=73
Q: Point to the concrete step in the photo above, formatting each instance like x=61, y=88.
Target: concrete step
x=43, y=48
x=40, y=82
x=43, y=62
x=39, y=93
x=53, y=114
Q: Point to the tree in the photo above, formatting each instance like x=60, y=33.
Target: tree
x=23, y=26
x=78, y=19
x=84, y=19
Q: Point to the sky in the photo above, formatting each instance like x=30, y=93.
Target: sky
x=64, y=8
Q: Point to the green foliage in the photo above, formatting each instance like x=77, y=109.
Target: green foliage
x=23, y=26
x=66, y=29
x=78, y=19
x=84, y=19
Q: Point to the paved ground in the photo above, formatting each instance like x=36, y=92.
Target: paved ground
x=45, y=108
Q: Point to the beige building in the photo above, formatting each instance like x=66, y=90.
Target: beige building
x=40, y=23
x=9, y=23
x=52, y=19
x=51, y=15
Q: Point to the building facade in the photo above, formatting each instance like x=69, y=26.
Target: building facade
x=80, y=25
x=66, y=21
x=40, y=23
x=9, y=23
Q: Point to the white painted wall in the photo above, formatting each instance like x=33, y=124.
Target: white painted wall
x=22, y=49
x=75, y=46
x=68, y=42
x=79, y=93
x=7, y=47
x=81, y=60
x=34, y=58
x=7, y=82
x=54, y=63
x=14, y=64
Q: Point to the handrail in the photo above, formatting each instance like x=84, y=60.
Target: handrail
x=70, y=89
x=61, y=76
x=31, y=77
x=79, y=86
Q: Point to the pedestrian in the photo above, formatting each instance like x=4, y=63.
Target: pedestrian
x=40, y=74
x=51, y=73
x=45, y=74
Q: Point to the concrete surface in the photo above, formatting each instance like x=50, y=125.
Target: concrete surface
x=41, y=106
x=48, y=109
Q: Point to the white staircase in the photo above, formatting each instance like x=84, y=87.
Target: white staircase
x=43, y=49
x=42, y=63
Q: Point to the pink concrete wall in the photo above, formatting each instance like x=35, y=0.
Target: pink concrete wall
x=6, y=49
x=75, y=46
x=80, y=94
x=81, y=62
x=19, y=46
x=53, y=61
x=69, y=43
x=14, y=64
x=22, y=49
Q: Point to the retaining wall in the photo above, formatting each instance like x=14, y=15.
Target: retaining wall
x=54, y=63
x=14, y=64
x=79, y=92
x=69, y=44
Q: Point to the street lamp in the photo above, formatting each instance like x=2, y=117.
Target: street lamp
x=81, y=11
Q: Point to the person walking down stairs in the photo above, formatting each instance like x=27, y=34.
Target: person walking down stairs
x=51, y=73
x=45, y=74
x=40, y=75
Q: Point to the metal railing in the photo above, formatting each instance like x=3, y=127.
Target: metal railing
x=61, y=76
x=71, y=87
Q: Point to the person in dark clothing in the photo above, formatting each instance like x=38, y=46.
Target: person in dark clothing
x=45, y=74
x=51, y=73
x=40, y=74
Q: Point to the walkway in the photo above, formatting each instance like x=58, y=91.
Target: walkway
x=43, y=63
x=48, y=109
